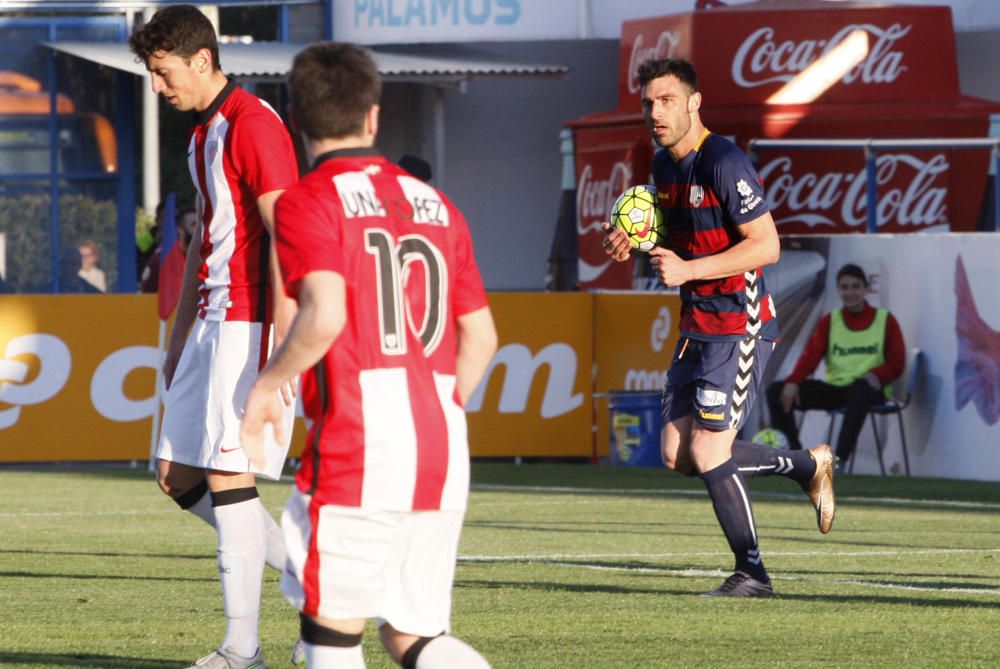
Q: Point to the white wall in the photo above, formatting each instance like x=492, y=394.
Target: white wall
x=953, y=425
x=503, y=165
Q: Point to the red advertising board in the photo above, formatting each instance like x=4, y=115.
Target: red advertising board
x=904, y=86
x=746, y=53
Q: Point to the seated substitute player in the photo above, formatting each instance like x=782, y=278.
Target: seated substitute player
x=241, y=159
x=392, y=335
x=720, y=234
x=864, y=353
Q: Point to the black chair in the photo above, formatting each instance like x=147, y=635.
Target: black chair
x=905, y=388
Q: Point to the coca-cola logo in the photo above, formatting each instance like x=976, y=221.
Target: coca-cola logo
x=833, y=197
x=762, y=59
x=594, y=197
x=665, y=45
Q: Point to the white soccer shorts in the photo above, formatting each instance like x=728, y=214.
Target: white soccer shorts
x=395, y=565
x=204, y=406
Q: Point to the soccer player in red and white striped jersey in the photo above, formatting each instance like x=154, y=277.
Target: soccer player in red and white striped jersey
x=241, y=159
x=392, y=335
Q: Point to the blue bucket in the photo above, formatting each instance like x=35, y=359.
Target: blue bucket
x=635, y=428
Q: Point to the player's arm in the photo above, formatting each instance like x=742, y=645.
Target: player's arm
x=187, y=306
x=759, y=246
x=284, y=306
x=321, y=316
x=477, y=342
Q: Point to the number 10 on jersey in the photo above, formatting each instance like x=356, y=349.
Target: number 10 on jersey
x=394, y=260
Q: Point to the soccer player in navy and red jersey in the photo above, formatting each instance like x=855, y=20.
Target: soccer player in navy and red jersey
x=393, y=334
x=720, y=235
x=241, y=159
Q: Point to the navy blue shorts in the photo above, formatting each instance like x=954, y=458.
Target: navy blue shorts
x=715, y=382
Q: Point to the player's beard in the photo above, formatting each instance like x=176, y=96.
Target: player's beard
x=678, y=131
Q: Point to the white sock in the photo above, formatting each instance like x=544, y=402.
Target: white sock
x=448, y=652
x=276, y=554
x=203, y=509
x=241, y=568
x=334, y=657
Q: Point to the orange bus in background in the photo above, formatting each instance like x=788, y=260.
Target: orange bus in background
x=86, y=140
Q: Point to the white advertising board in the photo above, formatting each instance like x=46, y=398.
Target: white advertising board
x=940, y=287
x=409, y=21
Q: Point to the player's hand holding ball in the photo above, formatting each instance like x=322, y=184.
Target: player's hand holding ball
x=637, y=215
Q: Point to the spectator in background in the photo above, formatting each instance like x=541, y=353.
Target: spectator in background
x=90, y=256
x=864, y=352
x=149, y=280
x=186, y=224
x=147, y=242
x=417, y=167
x=70, y=263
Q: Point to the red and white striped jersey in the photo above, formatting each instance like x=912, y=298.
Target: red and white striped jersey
x=387, y=430
x=239, y=150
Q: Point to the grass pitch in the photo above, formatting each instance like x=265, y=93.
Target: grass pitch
x=562, y=566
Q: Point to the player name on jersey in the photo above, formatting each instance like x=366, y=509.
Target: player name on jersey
x=420, y=202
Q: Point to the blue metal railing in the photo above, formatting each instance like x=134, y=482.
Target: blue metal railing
x=871, y=147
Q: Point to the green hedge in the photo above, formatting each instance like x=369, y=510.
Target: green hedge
x=25, y=221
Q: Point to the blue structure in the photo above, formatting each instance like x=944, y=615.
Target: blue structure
x=69, y=165
x=53, y=149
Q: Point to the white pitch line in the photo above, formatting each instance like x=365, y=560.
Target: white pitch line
x=700, y=573
x=896, y=501
x=69, y=514
x=620, y=556
x=557, y=561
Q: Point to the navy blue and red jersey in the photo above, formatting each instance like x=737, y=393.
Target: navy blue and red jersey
x=705, y=197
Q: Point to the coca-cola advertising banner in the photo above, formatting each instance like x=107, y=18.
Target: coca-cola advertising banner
x=608, y=160
x=744, y=56
x=824, y=191
x=810, y=191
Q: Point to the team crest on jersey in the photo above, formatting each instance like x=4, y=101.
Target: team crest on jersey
x=697, y=196
x=750, y=198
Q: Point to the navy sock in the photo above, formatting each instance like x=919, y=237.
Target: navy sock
x=756, y=460
x=731, y=501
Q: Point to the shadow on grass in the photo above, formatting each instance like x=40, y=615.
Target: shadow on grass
x=882, y=600
x=84, y=660
x=157, y=556
x=104, y=577
x=594, y=527
x=975, y=580
x=604, y=588
x=552, y=586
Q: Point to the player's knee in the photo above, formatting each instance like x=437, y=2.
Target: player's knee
x=316, y=634
x=675, y=463
x=176, y=480
x=185, y=497
x=442, y=650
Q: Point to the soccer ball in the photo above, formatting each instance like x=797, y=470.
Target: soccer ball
x=771, y=437
x=636, y=214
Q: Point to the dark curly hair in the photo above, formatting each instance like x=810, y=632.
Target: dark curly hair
x=663, y=67
x=179, y=29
